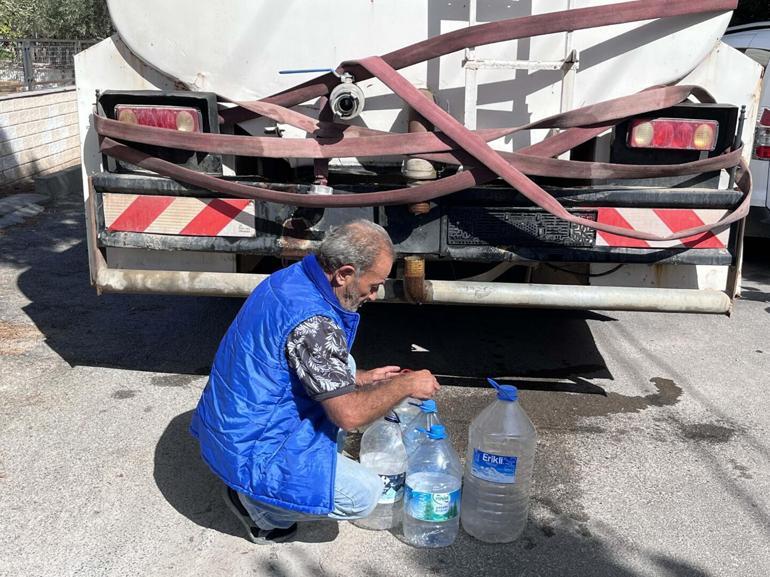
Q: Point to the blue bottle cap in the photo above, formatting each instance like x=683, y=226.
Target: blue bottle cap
x=504, y=392
x=508, y=393
x=428, y=406
x=437, y=432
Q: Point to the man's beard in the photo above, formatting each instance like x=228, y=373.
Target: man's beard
x=350, y=299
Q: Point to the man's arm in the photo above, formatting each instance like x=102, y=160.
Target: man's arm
x=366, y=404
x=317, y=353
x=379, y=374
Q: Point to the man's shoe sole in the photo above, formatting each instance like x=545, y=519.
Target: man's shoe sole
x=245, y=520
x=228, y=495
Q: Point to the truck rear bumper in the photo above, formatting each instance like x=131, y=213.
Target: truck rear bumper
x=485, y=224
x=436, y=292
x=467, y=292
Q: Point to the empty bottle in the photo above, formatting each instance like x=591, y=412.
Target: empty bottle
x=498, y=469
x=407, y=410
x=382, y=450
x=432, y=495
x=426, y=417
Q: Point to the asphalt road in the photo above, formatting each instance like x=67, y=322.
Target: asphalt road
x=654, y=431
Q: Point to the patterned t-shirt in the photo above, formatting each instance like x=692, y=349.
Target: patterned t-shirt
x=316, y=351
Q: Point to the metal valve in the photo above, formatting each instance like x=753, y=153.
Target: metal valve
x=347, y=99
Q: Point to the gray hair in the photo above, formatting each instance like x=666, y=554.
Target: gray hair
x=358, y=243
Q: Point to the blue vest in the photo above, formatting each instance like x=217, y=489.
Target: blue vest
x=258, y=429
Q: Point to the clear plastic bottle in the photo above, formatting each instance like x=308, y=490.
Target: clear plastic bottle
x=407, y=410
x=432, y=495
x=382, y=450
x=498, y=470
x=425, y=419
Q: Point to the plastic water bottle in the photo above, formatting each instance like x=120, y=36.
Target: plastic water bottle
x=407, y=410
x=382, y=451
x=432, y=495
x=425, y=419
x=498, y=469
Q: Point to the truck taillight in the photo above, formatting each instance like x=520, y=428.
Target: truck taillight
x=673, y=133
x=762, y=136
x=173, y=117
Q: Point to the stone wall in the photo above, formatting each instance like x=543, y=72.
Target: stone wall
x=38, y=134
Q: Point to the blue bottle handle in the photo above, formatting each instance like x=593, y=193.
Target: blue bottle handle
x=494, y=383
x=502, y=392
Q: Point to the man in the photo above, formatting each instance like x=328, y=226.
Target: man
x=283, y=383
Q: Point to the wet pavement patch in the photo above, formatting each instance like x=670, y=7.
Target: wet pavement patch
x=124, y=394
x=571, y=408
x=707, y=433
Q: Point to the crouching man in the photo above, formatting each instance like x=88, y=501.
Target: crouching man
x=283, y=383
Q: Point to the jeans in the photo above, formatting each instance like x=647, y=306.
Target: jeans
x=356, y=492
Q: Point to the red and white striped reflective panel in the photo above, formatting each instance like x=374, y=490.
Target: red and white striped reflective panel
x=179, y=215
x=663, y=221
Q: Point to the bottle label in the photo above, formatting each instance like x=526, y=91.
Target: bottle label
x=392, y=488
x=433, y=507
x=493, y=468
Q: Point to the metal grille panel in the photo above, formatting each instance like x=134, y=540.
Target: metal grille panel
x=478, y=226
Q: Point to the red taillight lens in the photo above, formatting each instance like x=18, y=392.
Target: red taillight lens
x=762, y=142
x=673, y=133
x=172, y=117
x=762, y=136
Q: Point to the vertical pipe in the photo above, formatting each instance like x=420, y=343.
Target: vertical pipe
x=321, y=165
x=29, y=73
x=737, y=142
x=471, y=81
x=414, y=279
x=418, y=170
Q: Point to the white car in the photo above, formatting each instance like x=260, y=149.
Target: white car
x=754, y=41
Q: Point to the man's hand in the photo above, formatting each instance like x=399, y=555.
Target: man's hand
x=421, y=384
x=365, y=404
x=364, y=378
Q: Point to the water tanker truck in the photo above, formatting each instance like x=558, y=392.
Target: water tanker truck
x=581, y=154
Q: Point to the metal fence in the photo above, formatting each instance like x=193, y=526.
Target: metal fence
x=35, y=64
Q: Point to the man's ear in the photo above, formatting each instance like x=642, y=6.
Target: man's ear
x=343, y=275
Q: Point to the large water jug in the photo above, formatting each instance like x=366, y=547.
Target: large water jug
x=498, y=469
x=382, y=450
x=432, y=495
x=426, y=417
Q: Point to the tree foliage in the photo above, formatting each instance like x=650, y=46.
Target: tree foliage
x=77, y=19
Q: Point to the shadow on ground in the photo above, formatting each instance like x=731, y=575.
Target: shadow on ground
x=545, y=548
x=195, y=492
x=533, y=555
x=534, y=349
x=174, y=334
x=551, y=350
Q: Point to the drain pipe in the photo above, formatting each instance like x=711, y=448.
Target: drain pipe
x=415, y=288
